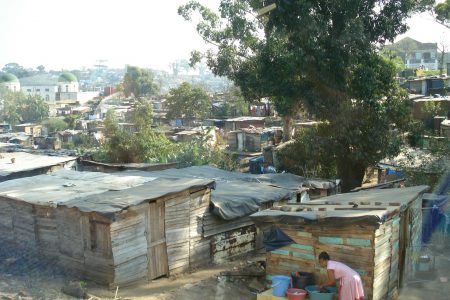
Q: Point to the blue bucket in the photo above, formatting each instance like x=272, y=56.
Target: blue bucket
x=280, y=284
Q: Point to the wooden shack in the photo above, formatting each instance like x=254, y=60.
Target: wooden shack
x=377, y=233
x=114, y=230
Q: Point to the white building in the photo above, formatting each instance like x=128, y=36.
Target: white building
x=10, y=82
x=40, y=85
x=68, y=83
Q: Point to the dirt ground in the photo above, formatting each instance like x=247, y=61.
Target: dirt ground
x=25, y=277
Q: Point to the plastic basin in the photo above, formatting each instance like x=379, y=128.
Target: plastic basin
x=295, y=294
x=313, y=291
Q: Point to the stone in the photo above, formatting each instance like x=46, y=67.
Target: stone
x=74, y=289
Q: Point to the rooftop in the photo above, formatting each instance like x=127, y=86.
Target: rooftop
x=409, y=44
x=27, y=162
x=373, y=207
x=39, y=80
x=98, y=192
x=244, y=119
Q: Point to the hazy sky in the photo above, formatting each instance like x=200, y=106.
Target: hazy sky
x=70, y=34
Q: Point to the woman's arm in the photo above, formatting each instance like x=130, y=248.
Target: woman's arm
x=331, y=279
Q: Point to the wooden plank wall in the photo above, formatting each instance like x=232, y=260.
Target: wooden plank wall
x=385, y=284
x=6, y=219
x=199, y=245
x=98, y=255
x=129, y=247
x=70, y=229
x=177, y=227
x=353, y=245
x=46, y=231
x=24, y=225
x=413, y=238
x=394, y=283
x=62, y=234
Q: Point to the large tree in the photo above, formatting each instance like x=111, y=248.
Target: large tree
x=21, y=108
x=16, y=69
x=442, y=13
x=139, y=82
x=322, y=54
x=188, y=101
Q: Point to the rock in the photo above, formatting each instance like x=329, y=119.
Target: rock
x=10, y=261
x=5, y=298
x=74, y=289
x=256, y=286
x=22, y=294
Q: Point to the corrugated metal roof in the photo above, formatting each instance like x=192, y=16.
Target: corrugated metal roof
x=26, y=162
x=98, y=192
x=375, y=207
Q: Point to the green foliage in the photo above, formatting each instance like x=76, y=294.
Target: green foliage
x=55, y=124
x=431, y=73
x=150, y=146
x=142, y=115
x=430, y=110
x=234, y=104
x=187, y=101
x=201, y=151
x=395, y=59
x=71, y=120
x=309, y=154
x=442, y=13
x=415, y=132
x=322, y=55
x=20, y=108
x=16, y=69
x=139, y=82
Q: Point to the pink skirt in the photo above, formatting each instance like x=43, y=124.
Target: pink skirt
x=351, y=288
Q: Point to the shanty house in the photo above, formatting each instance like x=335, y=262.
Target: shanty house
x=253, y=140
x=235, y=198
x=29, y=128
x=15, y=165
x=112, y=229
x=244, y=122
x=377, y=233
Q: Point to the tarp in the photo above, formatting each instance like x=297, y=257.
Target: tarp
x=27, y=162
x=232, y=200
x=241, y=194
x=98, y=192
x=339, y=218
x=275, y=239
x=111, y=202
x=392, y=201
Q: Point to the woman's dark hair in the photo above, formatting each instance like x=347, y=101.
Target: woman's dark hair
x=324, y=256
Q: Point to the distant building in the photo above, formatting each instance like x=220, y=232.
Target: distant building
x=10, y=82
x=419, y=110
x=57, y=92
x=29, y=128
x=416, y=55
x=428, y=85
x=40, y=85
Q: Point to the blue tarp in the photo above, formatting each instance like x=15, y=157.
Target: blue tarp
x=276, y=239
x=434, y=216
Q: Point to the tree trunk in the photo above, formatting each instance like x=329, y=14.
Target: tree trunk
x=287, y=128
x=351, y=174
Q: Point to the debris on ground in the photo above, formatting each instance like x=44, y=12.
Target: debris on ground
x=75, y=289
